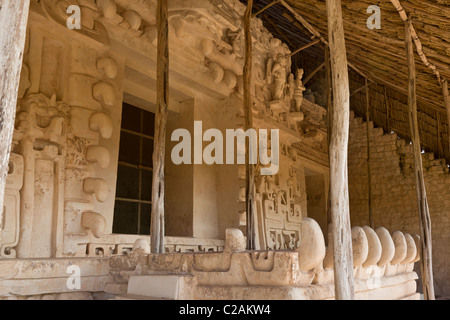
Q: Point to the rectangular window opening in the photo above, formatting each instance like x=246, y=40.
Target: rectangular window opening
x=133, y=202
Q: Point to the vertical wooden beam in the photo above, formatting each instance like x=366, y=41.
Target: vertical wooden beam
x=424, y=214
x=162, y=99
x=388, y=111
x=369, y=179
x=447, y=106
x=13, y=22
x=438, y=134
x=328, y=93
x=329, y=126
x=250, y=168
x=340, y=212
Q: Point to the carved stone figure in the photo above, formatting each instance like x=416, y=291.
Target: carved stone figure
x=298, y=90
x=277, y=76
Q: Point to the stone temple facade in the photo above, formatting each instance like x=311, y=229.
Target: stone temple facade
x=78, y=192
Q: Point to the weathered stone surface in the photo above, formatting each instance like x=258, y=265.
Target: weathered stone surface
x=66, y=150
x=234, y=241
x=142, y=244
x=360, y=246
x=387, y=245
x=400, y=247
x=411, y=250
x=375, y=249
x=311, y=251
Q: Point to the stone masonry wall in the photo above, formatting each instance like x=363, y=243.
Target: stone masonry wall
x=394, y=202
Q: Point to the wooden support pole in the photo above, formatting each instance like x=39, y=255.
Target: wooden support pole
x=369, y=179
x=447, y=104
x=265, y=8
x=328, y=92
x=250, y=168
x=438, y=134
x=312, y=74
x=162, y=99
x=340, y=211
x=388, y=110
x=13, y=22
x=424, y=214
x=329, y=126
x=305, y=47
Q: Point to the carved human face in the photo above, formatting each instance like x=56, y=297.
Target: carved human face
x=281, y=59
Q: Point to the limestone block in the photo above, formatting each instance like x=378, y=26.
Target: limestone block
x=387, y=245
x=391, y=270
x=94, y=222
x=263, y=260
x=80, y=92
x=10, y=224
x=323, y=276
x=217, y=72
x=79, y=123
x=284, y=269
x=74, y=296
x=360, y=246
x=141, y=244
x=96, y=186
x=104, y=92
x=72, y=215
x=375, y=249
x=230, y=79
x=108, y=67
x=177, y=263
x=83, y=59
x=400, y=247
x=234, y=240
x=109, y=9
x=98, y=154
x=152, y=34
x=311, y=251
x=89, y=16
x=102, y=123
x=133, y=19
x=161, y=286
x=411, y=250
x=221, y=268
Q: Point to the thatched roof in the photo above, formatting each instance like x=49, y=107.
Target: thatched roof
x=380, y=55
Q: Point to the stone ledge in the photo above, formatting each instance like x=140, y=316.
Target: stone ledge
x=30, y=287
x=400, y=287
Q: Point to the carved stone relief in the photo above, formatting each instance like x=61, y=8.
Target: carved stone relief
x=9, y=227
x=281, y=204
x=41, y=127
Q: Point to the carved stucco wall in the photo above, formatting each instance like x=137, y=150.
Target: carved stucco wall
x=67, y=133
x=68, y=119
